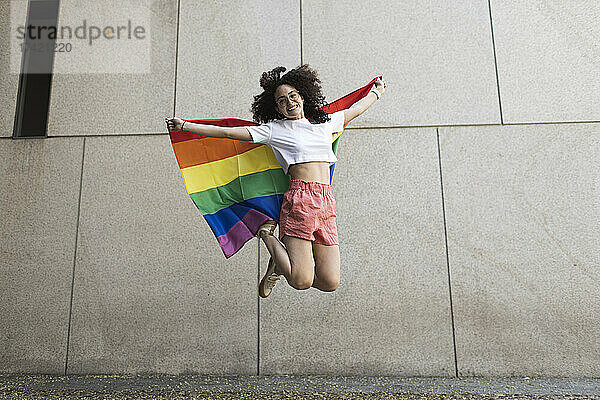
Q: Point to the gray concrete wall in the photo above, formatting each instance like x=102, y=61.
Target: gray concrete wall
x=468, y=200
x=8, y=81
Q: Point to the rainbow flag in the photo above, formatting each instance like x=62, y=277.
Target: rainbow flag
x=238, y=185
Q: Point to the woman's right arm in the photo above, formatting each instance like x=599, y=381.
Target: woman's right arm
x=237, y=133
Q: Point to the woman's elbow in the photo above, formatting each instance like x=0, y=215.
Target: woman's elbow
x=351, y=114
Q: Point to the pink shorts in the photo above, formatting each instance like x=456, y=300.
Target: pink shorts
x=308, y=212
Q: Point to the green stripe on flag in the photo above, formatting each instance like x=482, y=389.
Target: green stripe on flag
x=265, y=183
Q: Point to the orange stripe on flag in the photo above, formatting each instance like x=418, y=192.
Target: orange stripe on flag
x=207, y=149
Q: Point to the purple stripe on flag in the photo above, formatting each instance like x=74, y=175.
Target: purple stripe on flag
x=241, y=232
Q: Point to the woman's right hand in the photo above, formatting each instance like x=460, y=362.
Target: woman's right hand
x=174, y=124
x=380, y=85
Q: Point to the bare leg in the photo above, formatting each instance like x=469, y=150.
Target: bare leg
x=295, y=261
x=279, y=254
x=327, y=267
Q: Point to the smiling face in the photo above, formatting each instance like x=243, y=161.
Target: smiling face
x=289, y=102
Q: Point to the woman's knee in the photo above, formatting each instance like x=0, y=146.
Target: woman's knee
x=301, y=281
x=329, y=283
x=301, y=262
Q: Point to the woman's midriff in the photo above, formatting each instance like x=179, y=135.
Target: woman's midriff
x=312, y=171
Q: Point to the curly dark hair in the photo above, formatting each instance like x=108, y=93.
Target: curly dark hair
x=306, y=82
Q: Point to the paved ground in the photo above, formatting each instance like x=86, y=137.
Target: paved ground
x=290, y=387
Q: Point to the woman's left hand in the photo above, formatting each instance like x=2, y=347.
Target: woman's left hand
x=380, y=85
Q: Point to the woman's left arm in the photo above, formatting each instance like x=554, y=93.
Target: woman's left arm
x=363, y=104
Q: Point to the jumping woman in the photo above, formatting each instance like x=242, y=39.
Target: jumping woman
x=299, y=131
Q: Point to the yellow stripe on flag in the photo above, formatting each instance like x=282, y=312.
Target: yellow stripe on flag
x=218, y=173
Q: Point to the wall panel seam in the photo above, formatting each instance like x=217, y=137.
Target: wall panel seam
x=447, y=256
x=176, y=58
x=301, y=31
x=495, y=63
x=357, y=128
x=74, y=260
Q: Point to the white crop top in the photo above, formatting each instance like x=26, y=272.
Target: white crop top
x=297, y=140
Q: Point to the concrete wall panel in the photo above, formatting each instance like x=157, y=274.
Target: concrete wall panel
x=391, y=313
x=153, y=290
x=38, y=219
x=225, y=46
x=438, y=59
x=548, y=59
x=100, y=103
x=523, y=215
x=9, y=79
